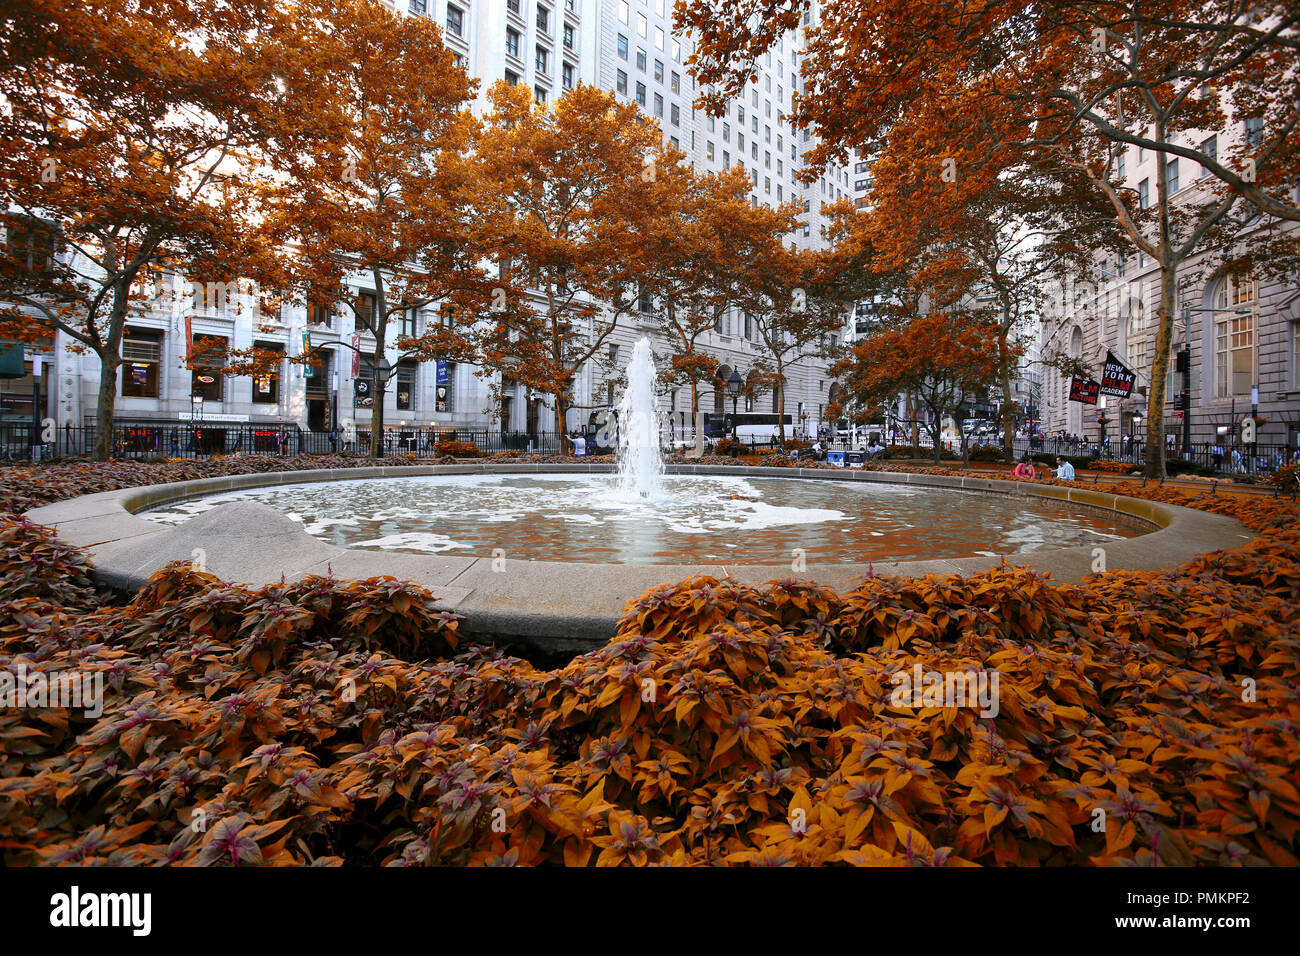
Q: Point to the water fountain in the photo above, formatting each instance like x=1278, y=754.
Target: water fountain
x=641, y=516
x=640, y=465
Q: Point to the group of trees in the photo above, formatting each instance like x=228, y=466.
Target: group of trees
x=997, y=137
x=145, y=138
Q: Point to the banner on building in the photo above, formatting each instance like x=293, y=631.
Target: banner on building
x=1084, y=390
x=356, y=355
x=443, y=384
x=308, y=370
x=189, y=337
x=1116, y=377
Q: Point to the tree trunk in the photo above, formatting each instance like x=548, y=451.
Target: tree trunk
x=1155, y=466
x=377, y=393
x=780, y=405
x=1008, y=403
x=110, y=361
x=695, y=416
x=561, y=418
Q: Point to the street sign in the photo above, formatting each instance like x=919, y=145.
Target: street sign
x=206, y=379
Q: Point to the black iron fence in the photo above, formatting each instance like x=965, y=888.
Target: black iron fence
x=22, y=441
x=1222, y=458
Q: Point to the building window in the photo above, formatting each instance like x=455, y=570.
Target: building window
x=514, y=6
x=726, y=132
x=319, y=315
x=141, y=354
x=675, y=116
x=406, y=323
x=1234, y=338
x=640, y=60
x=659, y=106
x=455, y=21
x=622, y=47
x=1295, y=356
x=1171, y=175
x=708, y=149
x=675, y=84
x=266, y=387
x=539, y=95
x=645, y=303
x=418, y=6
x=512, y=42
x=405, y=386
x=1254, y=131
x=543, y=19
x=621, y=82
x=1136, y=340
x=512, y=78
x=1144, y=194
x=566, y=74
x=1210, y=148
x=568, y=36
x=726, y=159
x=622, y=11
x=659, y=71
x=659, y=38
x=206, y=360
x=542, y=61
x=367, y=305
x=642, y=26
x=640, y=94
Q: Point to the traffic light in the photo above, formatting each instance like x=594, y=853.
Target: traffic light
x=1182, y=361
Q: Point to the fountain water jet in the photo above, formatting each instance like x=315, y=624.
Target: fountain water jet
x=640, y=466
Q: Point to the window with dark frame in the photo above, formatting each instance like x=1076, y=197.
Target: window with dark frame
x=141, y=358
x=266, y=387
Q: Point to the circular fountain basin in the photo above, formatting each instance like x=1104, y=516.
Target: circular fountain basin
x=574, y=604
x=693, y=519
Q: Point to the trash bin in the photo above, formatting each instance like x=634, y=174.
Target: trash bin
x=835, y=458
x=855, y=459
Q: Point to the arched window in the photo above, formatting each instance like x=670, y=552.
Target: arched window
x=1234, y=336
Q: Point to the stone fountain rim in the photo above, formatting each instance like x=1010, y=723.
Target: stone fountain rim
x=572, y=605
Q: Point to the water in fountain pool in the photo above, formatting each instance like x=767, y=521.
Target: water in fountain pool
x=696, y=519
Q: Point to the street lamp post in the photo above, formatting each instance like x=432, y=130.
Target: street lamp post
x=734, y=382
x=196, y=419
x=1133, y=422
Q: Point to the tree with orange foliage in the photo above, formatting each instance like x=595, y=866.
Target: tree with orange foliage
x=943, y=358
x=582, y=181
x=697, y=250
x=379, y=186
x=1006, y=239
x=795, y=299
x=123, y=147
x=1067, y=83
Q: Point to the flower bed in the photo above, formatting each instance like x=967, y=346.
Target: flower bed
x=341, y=722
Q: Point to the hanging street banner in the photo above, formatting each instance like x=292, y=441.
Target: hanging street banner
x=1116, y=377
x=1084, y=391
x=356, y=355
